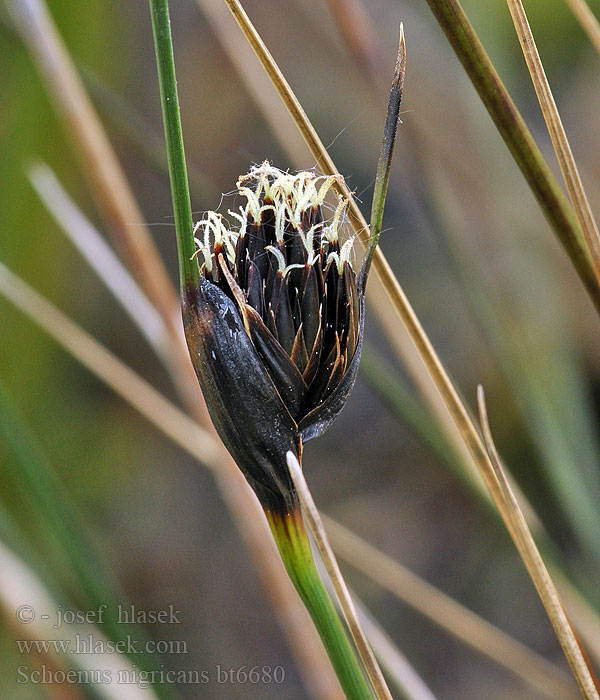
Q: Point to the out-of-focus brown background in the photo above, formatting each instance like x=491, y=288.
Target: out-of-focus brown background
x=460, y=225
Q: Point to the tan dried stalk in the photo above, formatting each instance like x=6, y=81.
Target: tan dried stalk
x=558, y=135
x=450, y=395
x=20, y=588
x=449, y=614
x=312, y=517
x=515, y=522
x=587, y=19
x=107, y=182
x=397, y=666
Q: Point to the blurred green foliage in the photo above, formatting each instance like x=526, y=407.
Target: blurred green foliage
x=161, y=526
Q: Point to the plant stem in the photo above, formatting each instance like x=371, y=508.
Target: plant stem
x=516, y=135
x=384, y=164
x=293, y=544
x=182, y=208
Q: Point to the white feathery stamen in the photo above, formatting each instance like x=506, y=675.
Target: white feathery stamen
x=336, y=258
x=331, y=231
x=280, y=221
x=279, y=255
x=253, y=204
x=203, y=247
x=293, y=266
x=242, y=218
x=289, y=197
x=345, y=253
x=325, y=187
x=338, y=214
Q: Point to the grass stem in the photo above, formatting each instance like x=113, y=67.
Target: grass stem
x=182, y=208
x=557, y=132
x=516, y=135
x=293, y=544
x=587, y=19
x=515, y=522
x=318, y=532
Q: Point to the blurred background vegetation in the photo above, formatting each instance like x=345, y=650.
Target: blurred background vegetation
x=465, y=237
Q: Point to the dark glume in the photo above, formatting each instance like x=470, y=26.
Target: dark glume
x=315, y=297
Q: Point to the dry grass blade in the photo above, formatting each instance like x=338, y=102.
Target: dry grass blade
x=257, y=84
x=359, y=36
x=107, y=181
x=100, y=256
x=502, y=493
x=587, y=19
x=397, y=666
x=459, y=412
x=317, y=530
x=98, y=160
x=149, y=402
x=558, y=136
x=581, y=612
x=450, y=615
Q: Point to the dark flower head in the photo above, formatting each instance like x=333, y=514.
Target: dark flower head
x=275, y=325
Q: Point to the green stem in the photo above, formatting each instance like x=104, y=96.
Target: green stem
x=294, y=547
x=516, y=135
x=182, y=208
x=384, y=163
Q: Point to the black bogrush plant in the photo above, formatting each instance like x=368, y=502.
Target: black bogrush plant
x=275, y=324
x=273, y=315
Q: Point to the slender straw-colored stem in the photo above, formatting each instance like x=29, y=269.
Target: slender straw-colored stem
x=107, y=182
x=359, y=37
x=22, y=587
x=501, y=491
x=516, y=135
x=99, y=163
x=182, y=208
x=100, y=256
x=587, y=19
x=398, y=668
x=337, y=580
x=557, y=132
x=93, y=356
x=449, y=614
x=445, y=386
x=294, y=547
